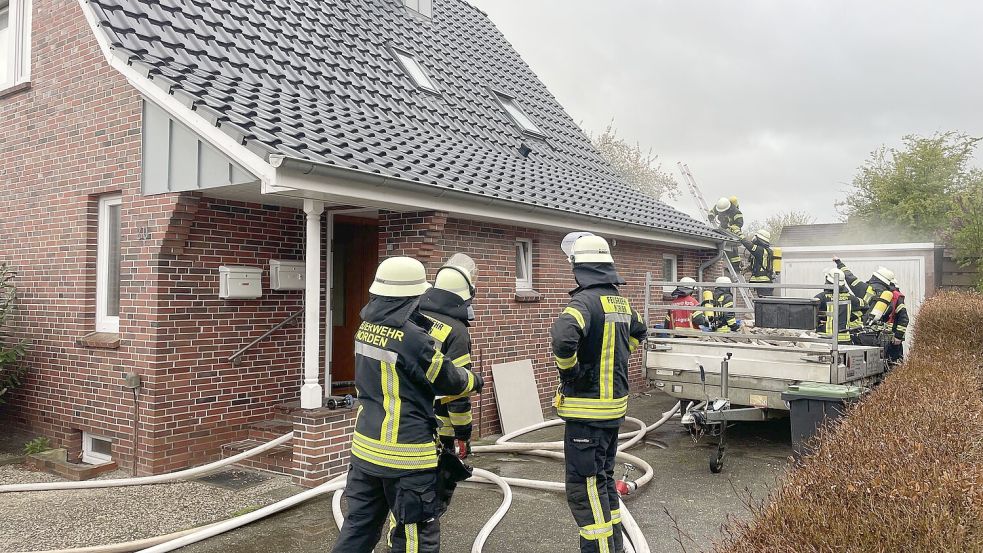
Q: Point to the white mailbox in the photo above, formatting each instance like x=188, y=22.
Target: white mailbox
x=240, y=283
x=287, y=275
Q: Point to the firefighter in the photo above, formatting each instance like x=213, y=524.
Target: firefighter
x=850, y=309
x=884, y=305
x=682, y=296
x=394, y=448
x=727, y=214
x=592, y=340
x=723, y=298
x=762, y=259
x=448, y=306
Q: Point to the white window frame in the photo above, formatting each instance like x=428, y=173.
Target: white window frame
x=415, y=71
x=674, y=277
x=91, y=457
x=18, y=44
x=518, y=115
x=526, y=283
x=104, y=322
x=422, y=7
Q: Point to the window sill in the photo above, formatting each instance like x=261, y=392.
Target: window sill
x=528, y=296
x=100, y=340
x=10, y=90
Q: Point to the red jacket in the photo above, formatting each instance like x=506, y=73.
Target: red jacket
x=682, y=319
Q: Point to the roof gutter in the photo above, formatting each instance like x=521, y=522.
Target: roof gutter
x=496, y=208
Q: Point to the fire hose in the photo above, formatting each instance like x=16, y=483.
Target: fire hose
x=635, y=543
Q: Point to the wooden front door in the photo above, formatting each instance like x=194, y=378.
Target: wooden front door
x=356, y=256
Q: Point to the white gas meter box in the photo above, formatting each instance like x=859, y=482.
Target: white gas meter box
x=240, y=283
x=287, y=275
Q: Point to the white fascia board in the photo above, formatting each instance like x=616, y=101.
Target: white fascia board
x=873, y=248
x=418, y=197
x=253, y=163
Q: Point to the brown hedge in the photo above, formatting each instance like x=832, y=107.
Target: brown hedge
x=904, y=470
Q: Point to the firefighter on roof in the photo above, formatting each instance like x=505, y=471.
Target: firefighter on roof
x=398, y=373
x=727, y=214
x=762, y=261
x=592, y=341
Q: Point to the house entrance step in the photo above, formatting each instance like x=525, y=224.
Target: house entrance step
x=269, y=430
x=235, y=448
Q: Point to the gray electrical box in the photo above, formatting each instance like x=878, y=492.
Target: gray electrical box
x=237, y=282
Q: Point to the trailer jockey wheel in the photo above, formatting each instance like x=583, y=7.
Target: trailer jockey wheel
x=717, y=457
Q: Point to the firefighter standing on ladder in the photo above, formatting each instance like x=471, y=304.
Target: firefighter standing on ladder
x=592, y=340
x=398, y=373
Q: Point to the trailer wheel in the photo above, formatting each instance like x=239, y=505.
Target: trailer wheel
x=716, y=462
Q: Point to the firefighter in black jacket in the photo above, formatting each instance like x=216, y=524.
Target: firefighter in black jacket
x=448, y=306
x=723, y=298
x=592, y=340
x=727, y=214
x=394, y=448
x=762, y=261
x=884, y=304
x=850, y=309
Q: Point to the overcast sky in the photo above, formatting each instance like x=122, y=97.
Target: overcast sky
x=776, y=101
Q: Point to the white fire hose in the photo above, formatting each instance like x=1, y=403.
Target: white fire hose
x=635, y=543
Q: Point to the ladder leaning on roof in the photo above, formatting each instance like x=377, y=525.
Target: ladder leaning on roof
x=701, y=202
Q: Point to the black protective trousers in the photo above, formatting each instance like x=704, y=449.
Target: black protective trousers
x=413, y=501
x=590, y=458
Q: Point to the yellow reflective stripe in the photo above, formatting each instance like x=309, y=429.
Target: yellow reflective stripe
x=461, y=419
x=607, y=361
x=391, y=402
x=439, y=330
x=592, y=403
x=470, y=383
x=600, y=522
x=615, y=516
x=445, y=428
x=403, y=450
x=396, y=462
x=632, y=343
x=566, y=364
x=573, y=312
x=590, y=409
x=435, y=364
x=462, y=361
x=412, y=539
x=392, y=527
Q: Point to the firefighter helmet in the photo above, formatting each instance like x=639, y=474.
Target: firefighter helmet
x=724, y=280
x=687, y=281
x=723, y=204
x=400, y=277
x=458, y=276
x=591, y=249
x=885, y=275
x=763, y=236
x=835, y=275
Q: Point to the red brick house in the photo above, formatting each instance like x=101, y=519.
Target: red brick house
x=179, y=177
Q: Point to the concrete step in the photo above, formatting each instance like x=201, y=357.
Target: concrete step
x=270, y=429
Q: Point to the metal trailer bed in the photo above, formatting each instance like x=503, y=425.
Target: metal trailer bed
x=741, y=377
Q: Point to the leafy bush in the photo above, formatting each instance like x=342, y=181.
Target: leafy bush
x=903, y=472
x=37, y=445
x=11, y=350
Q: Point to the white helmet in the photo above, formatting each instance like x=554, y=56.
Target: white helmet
x=400, y=277
x=723, y=204
x=763, y=235
x=457, y=276
x=724, y=280
x=885, y=275
x=835, y=274
x=687, y=280
x=591, y=249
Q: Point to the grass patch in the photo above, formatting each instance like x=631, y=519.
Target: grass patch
x=37, y=445
x=245, y=511
x=903, y=471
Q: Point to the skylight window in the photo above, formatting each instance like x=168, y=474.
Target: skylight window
x=415, y=71
x=511, y=107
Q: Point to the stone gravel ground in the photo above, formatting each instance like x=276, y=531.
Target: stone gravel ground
x=38, y=521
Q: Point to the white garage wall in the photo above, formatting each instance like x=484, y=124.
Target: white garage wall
x=808, y=265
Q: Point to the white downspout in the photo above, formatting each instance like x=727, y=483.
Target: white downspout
x=311, y=393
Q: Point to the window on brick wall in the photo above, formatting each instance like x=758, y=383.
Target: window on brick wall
x=15, y=42
x=523, y=264
x=670, y=271
x=96, y=450
x=108, y=264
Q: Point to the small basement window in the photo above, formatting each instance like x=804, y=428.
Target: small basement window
x=415, y=71
x=518, y=116
x=523, y=264
x=422, y=7
x=96, y=450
